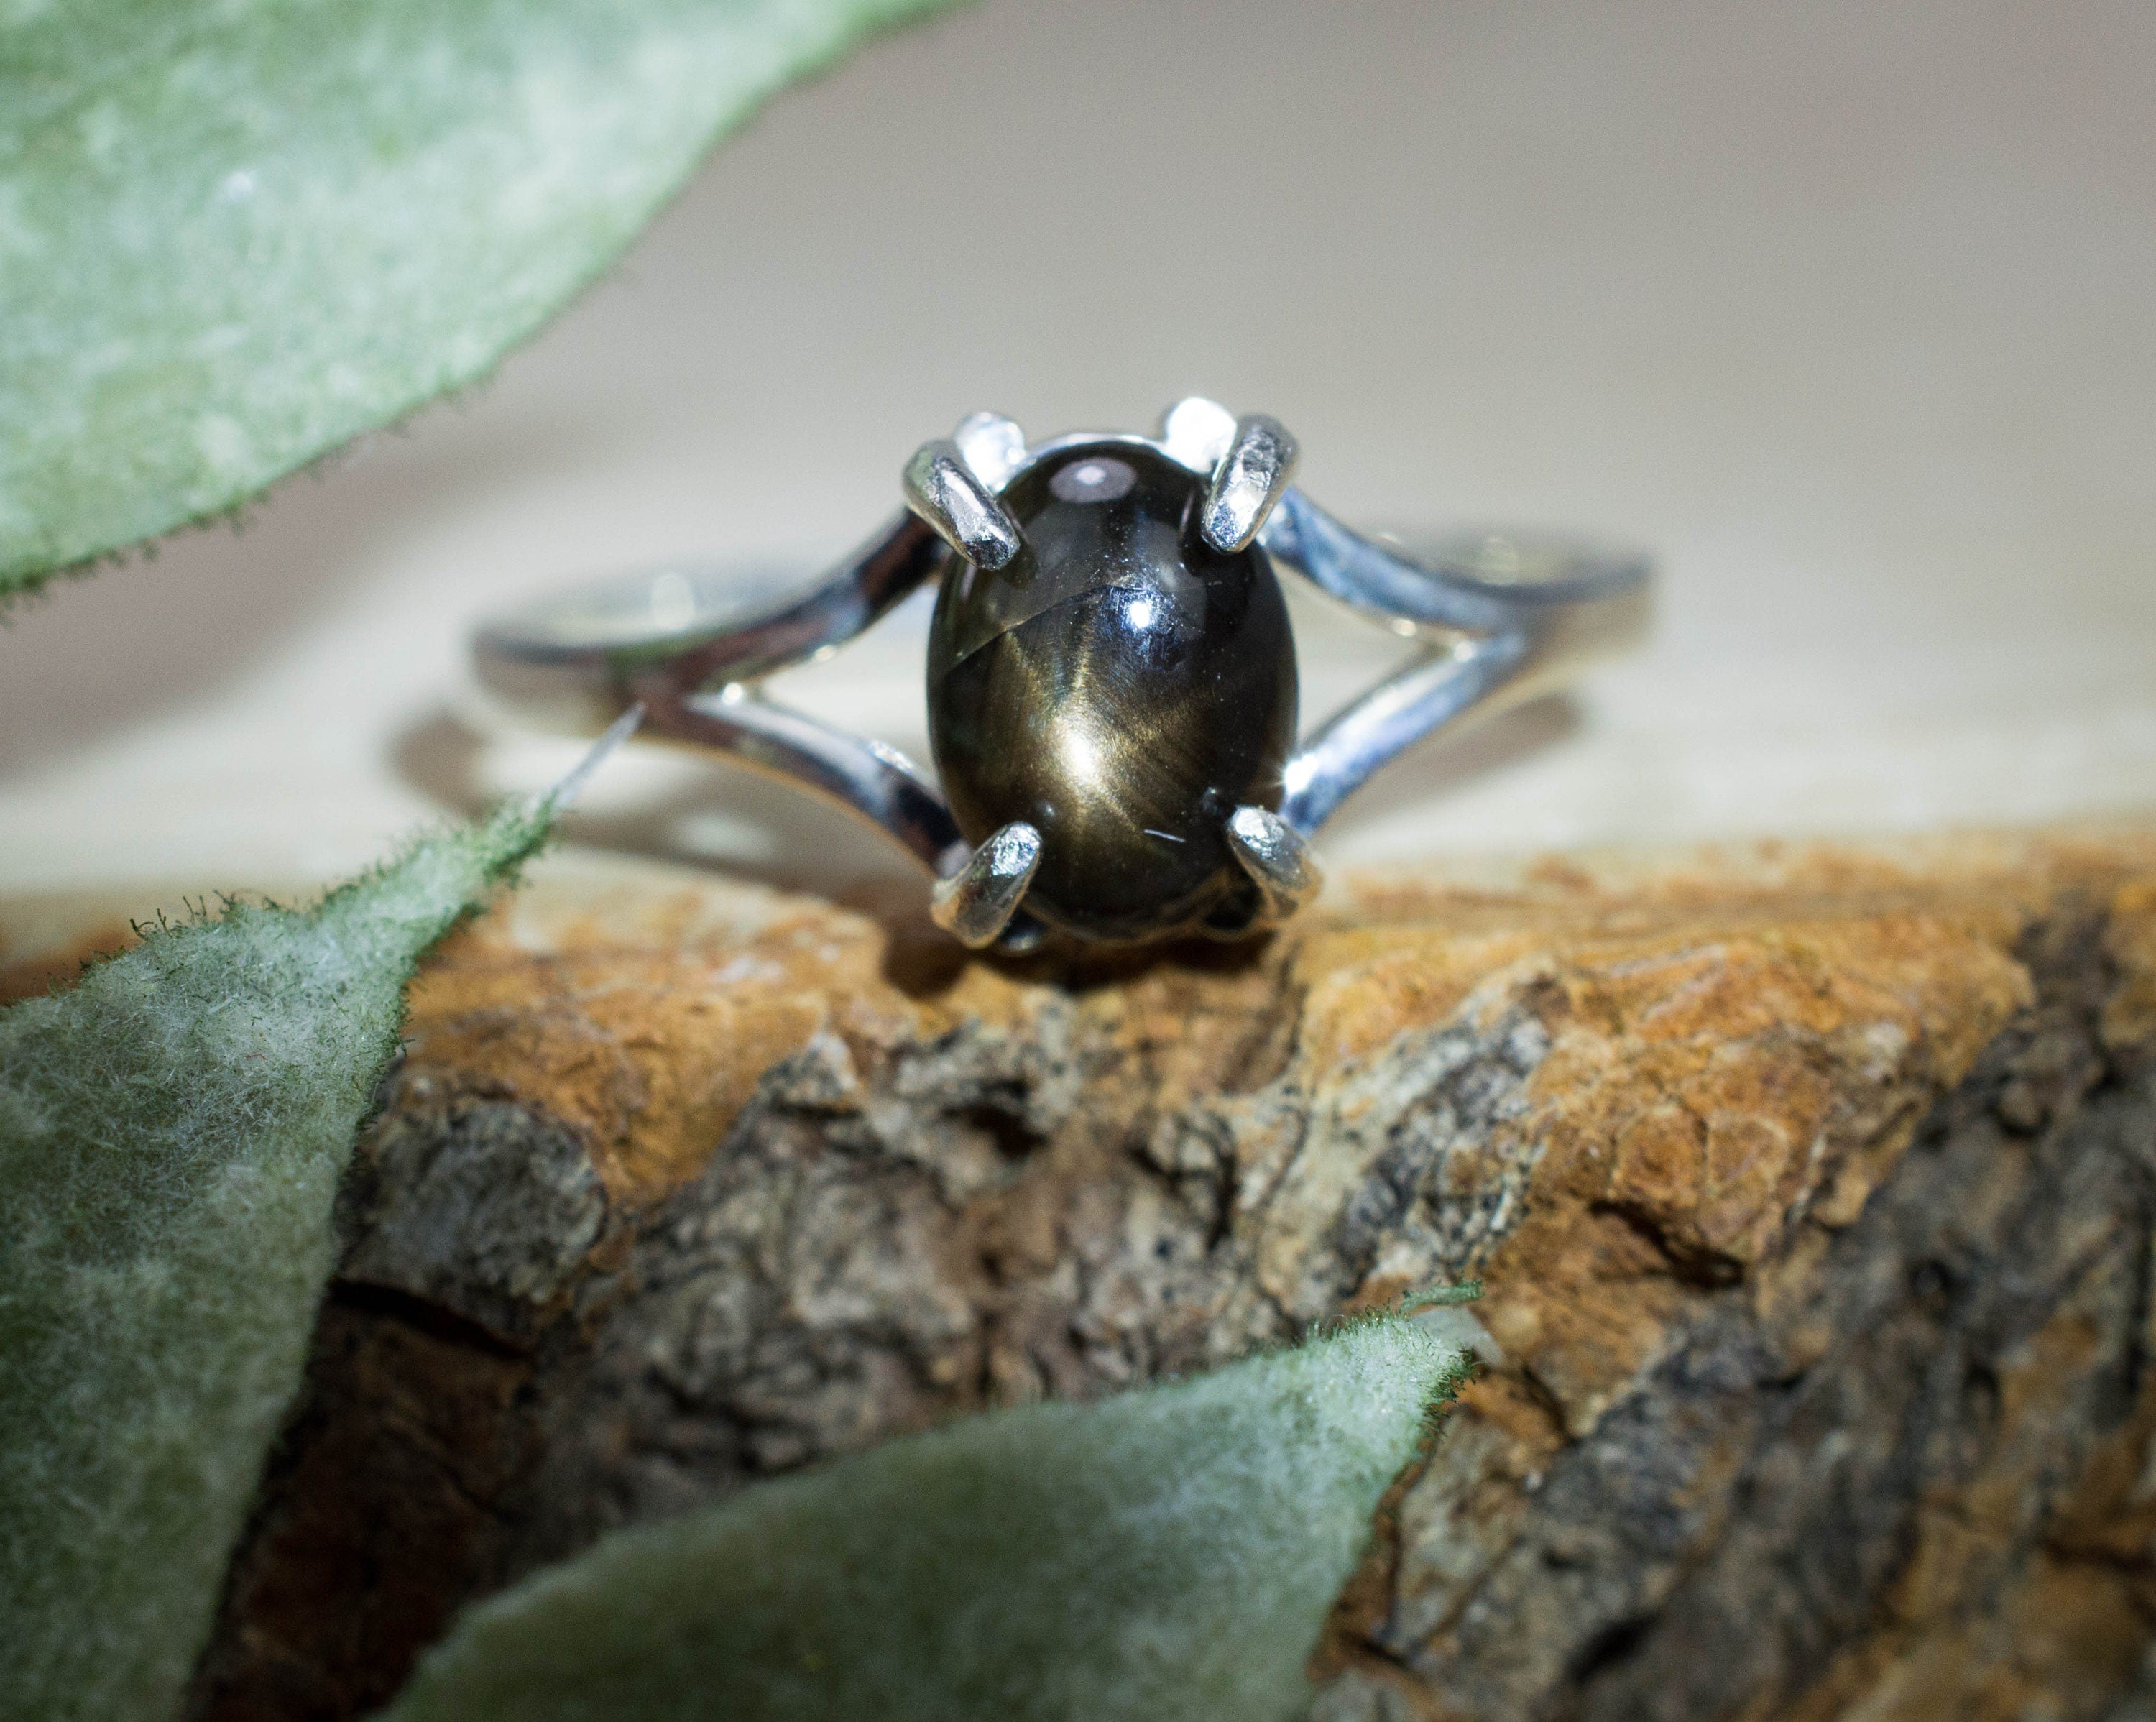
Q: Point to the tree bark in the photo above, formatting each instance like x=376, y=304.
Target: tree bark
x=1814, y=1192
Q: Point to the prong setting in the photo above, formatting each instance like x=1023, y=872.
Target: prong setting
x=1251, y=476
x=1197, y=432
x=943, y=489
x=992, y=445
x=1155, y=749
x=976, y=903
x=1278, y=860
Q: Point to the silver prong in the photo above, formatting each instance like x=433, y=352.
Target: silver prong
x=1197, y=432
x=977, y=902
x=1277, y=858
x=945, y=492
x=1251, y=476
x=992, y=445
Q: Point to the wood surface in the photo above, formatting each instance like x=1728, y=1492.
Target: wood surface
x=1814, y=1191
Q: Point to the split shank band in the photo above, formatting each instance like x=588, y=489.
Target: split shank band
x=1111, y=679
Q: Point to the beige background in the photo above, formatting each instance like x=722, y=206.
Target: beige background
x=1850, y=310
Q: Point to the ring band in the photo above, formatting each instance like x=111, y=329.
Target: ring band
x=1112, y=685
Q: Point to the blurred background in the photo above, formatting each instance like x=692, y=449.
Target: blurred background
x=1849, y=311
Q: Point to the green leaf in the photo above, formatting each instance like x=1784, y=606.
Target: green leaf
x=172, y=1131
x=1442, y=1297
x=237, y=232
x=1169, y=1553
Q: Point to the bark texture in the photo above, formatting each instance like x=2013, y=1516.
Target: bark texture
x=1814, y=1193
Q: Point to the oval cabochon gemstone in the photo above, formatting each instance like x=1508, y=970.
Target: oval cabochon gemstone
x=1120, y=685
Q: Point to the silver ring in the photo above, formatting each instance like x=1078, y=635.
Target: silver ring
x=1112, y=672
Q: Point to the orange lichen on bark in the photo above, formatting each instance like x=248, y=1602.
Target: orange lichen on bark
x=2130, y=1018
x=1706, y=1091
x=1644, y=1105
x=650, y=1044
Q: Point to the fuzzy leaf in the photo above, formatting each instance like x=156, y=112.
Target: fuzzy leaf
x=172, y=1131
x=237, y=232
x=1169, y=1553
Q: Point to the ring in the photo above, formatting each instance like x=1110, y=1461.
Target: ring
x=1112, y=672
